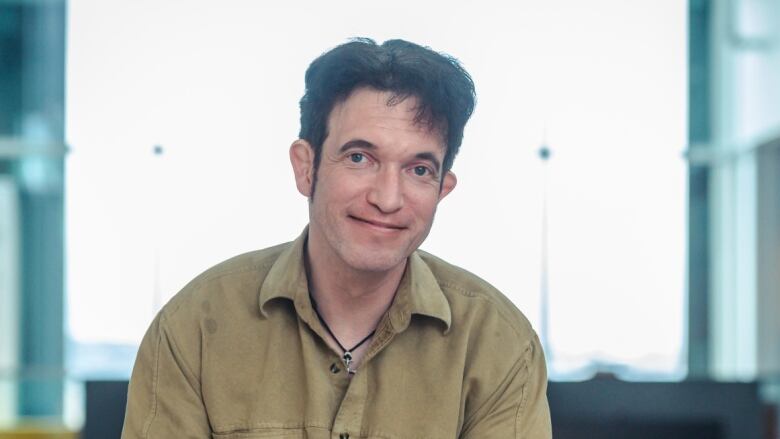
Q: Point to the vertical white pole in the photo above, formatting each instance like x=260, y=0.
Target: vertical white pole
x=9, y=298
x=544, y=155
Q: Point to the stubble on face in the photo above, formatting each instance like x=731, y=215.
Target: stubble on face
x=371, y=217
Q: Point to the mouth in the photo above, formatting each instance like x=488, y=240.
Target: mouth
x=378, y=224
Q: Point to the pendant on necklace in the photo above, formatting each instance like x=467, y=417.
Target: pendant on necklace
x=347, y=358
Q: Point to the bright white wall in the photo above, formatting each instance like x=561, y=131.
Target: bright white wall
x=217, y=85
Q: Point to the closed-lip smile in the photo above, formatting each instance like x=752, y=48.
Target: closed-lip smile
x=380, y=224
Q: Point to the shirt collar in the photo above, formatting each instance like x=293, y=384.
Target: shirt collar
x=418, y=292
x=287, y=277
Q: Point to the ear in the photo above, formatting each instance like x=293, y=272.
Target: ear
x=302, y=160
x=450, y=180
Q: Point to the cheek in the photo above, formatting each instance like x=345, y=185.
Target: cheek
x=425, y=206
x=340, y=191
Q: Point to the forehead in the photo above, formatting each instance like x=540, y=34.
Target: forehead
x=381, y=118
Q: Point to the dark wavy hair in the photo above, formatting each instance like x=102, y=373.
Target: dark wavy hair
x=443, y=89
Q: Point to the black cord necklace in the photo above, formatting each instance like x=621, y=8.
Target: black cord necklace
x=346, y=357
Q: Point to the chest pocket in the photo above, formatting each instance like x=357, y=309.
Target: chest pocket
x=266, y=433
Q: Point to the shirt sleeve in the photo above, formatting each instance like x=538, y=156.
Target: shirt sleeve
x=518, y=408
x=164, y=399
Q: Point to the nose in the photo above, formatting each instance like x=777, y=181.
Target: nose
x=386, y=192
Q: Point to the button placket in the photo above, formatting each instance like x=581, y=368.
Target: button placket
x=349, y=417
x=350, y=413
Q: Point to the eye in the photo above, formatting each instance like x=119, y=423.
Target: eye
x=421, y=171
x=356, y=157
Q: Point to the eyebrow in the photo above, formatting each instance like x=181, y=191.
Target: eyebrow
x=431, y=158
x=357, y=143
x=360, y=143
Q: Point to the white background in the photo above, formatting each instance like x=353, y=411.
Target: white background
x=216, y=84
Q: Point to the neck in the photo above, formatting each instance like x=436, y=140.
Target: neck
x=351, y=301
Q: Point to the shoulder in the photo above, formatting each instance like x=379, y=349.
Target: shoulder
x=502, y=360
x=223, y=298
x=233, y=282
x=474, y=302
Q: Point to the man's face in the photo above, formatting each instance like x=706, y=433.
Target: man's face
x=378, y=182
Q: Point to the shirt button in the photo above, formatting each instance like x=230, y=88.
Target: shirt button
x=335, y=369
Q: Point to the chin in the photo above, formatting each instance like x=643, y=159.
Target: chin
x=373, y=262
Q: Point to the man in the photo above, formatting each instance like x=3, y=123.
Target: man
x=350, y=331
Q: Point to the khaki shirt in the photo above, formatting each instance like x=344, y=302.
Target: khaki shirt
x=239, y=354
